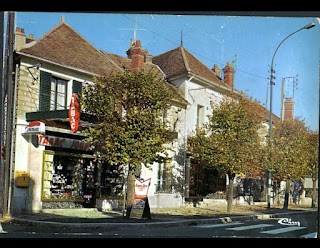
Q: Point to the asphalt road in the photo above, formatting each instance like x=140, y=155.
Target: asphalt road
x=298, y=226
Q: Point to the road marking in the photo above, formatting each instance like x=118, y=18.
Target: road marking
x=241, y=228
x=1, y=230
x=283, y=230
x=310, y=235
x=218, y=225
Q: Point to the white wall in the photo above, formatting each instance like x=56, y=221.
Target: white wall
x=196, y=95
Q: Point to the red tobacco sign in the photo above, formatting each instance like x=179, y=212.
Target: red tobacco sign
x=74, y=113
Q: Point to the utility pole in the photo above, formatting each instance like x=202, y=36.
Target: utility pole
x=2, y=117
x=272, y=77
x=9, y=99
x=234, y=65
x=282, y=97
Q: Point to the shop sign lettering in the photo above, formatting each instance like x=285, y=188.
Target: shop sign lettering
x=74, y=113
x=140, y=198
x=54, y=141
x=35, y=127
x=142, y=187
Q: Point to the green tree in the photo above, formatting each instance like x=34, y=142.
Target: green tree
x=230, y=140
x=288, y=157
x=129, y=108
x=312, y=150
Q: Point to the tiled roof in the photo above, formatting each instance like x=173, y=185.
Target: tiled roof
x=123, y=62
x=171, y=62
x=180, y=61
x=177, y=95
x=63, y=45
x=265, y=114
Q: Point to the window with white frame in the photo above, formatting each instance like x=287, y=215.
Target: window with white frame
x=165, y=177
x=58, y=95
x=200, y=116
x=54, y=91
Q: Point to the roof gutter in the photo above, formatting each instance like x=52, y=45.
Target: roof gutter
x=53, y=63
x=209, y=84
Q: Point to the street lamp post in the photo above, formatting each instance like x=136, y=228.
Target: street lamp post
x=310, y=25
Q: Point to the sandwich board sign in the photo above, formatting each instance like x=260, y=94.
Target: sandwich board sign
x=141, y=198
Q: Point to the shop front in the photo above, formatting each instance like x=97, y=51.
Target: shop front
x=69, y=179
x=61, y=167
x=69, y=173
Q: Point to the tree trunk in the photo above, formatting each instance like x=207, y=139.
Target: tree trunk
x=286, y=195
x=314, y=193
x=130, y=191
x=277, y=194
x=230, y=192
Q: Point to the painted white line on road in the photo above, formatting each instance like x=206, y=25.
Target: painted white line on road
x=283, y=230
x=241, y=228
x=310, y=235
x=1, y=229
x=218, y=225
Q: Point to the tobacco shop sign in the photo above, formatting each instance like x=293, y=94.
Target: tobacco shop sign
x=54, y=141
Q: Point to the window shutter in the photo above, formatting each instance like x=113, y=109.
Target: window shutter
x=45, y=89
x=77, y=87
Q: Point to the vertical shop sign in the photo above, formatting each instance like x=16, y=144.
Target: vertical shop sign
x=141, y=198
x=74, y=113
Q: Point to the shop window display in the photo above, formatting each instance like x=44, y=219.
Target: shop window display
x=111, y=181
x=68, y=178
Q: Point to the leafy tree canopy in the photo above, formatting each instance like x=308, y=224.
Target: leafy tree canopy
x=312, y=148
x=129, y=108
x=289, y=156
x=230, y=139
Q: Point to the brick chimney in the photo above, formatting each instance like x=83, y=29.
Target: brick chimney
x=30, y=38
x=228, y=72
x=148, y=57
x=288, y=109
x=216, y=70
x=21, y=39
x=137, y=55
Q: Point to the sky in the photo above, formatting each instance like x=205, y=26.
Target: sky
x=248, y=42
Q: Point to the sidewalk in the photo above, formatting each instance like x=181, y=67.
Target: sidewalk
x=177, y=216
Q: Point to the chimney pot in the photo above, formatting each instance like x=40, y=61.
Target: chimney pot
x=228, y=75
x=216, y=70
x=137, y=55
x=138, y=43
x=20, y=38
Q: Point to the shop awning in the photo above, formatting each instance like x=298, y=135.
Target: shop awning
x=61, y=116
